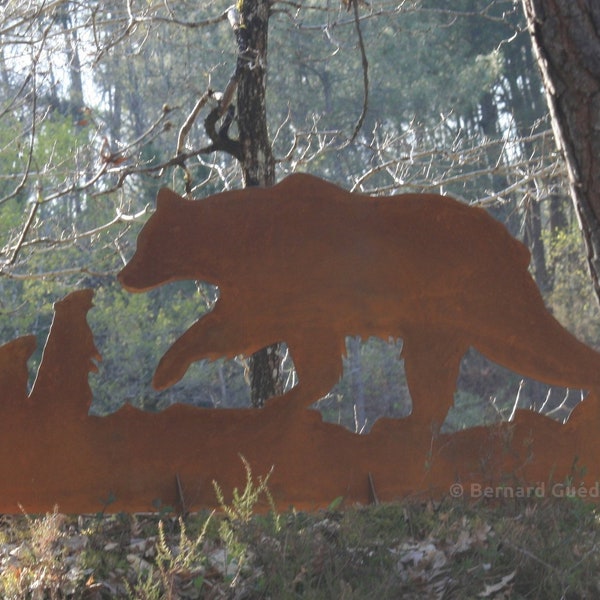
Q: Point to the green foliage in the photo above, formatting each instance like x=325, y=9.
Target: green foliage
x=469, y=410
x=133, y=331
x=428, y=81
x=242, y=508
x=61, y=144
x=572, y=298
x=163, y=580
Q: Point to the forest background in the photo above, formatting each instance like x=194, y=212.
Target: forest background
x=406, y=96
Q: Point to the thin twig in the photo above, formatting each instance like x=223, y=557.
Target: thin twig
x=180, y=496
x=365, y=70
x=45, y=275
x=516, y=404
x=24, y=231
x=119, y=218
x=372, y=490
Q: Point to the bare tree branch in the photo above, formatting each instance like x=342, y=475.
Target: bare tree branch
x=365, y=71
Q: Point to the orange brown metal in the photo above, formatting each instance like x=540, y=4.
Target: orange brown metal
x=307, y=263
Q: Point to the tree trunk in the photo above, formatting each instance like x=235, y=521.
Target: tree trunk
x=258, y=164
x=566, y=41
x=533, y=240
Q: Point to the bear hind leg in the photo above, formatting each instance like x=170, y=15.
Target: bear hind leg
x=432, y=364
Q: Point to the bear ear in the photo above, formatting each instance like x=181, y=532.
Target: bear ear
x=167, y=198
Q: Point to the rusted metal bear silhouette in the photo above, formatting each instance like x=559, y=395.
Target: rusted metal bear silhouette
x=308, y=263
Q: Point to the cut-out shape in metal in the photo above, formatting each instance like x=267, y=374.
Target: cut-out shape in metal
x=306, y=263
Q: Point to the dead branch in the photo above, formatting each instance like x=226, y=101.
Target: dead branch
x=189, y=122
x=365, y=71
x=220, y=139
x=24, y=232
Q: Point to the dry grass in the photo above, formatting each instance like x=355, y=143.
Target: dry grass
x=530, y=548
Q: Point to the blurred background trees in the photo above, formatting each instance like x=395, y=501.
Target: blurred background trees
x=93, y=98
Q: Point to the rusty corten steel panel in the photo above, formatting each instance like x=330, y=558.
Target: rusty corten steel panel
x=305, y=263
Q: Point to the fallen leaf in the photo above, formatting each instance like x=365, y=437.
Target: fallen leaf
x=497, y=587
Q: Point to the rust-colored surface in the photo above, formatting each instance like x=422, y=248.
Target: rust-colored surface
x=306, y=263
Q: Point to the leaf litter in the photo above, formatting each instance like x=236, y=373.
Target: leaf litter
x=449, y=550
